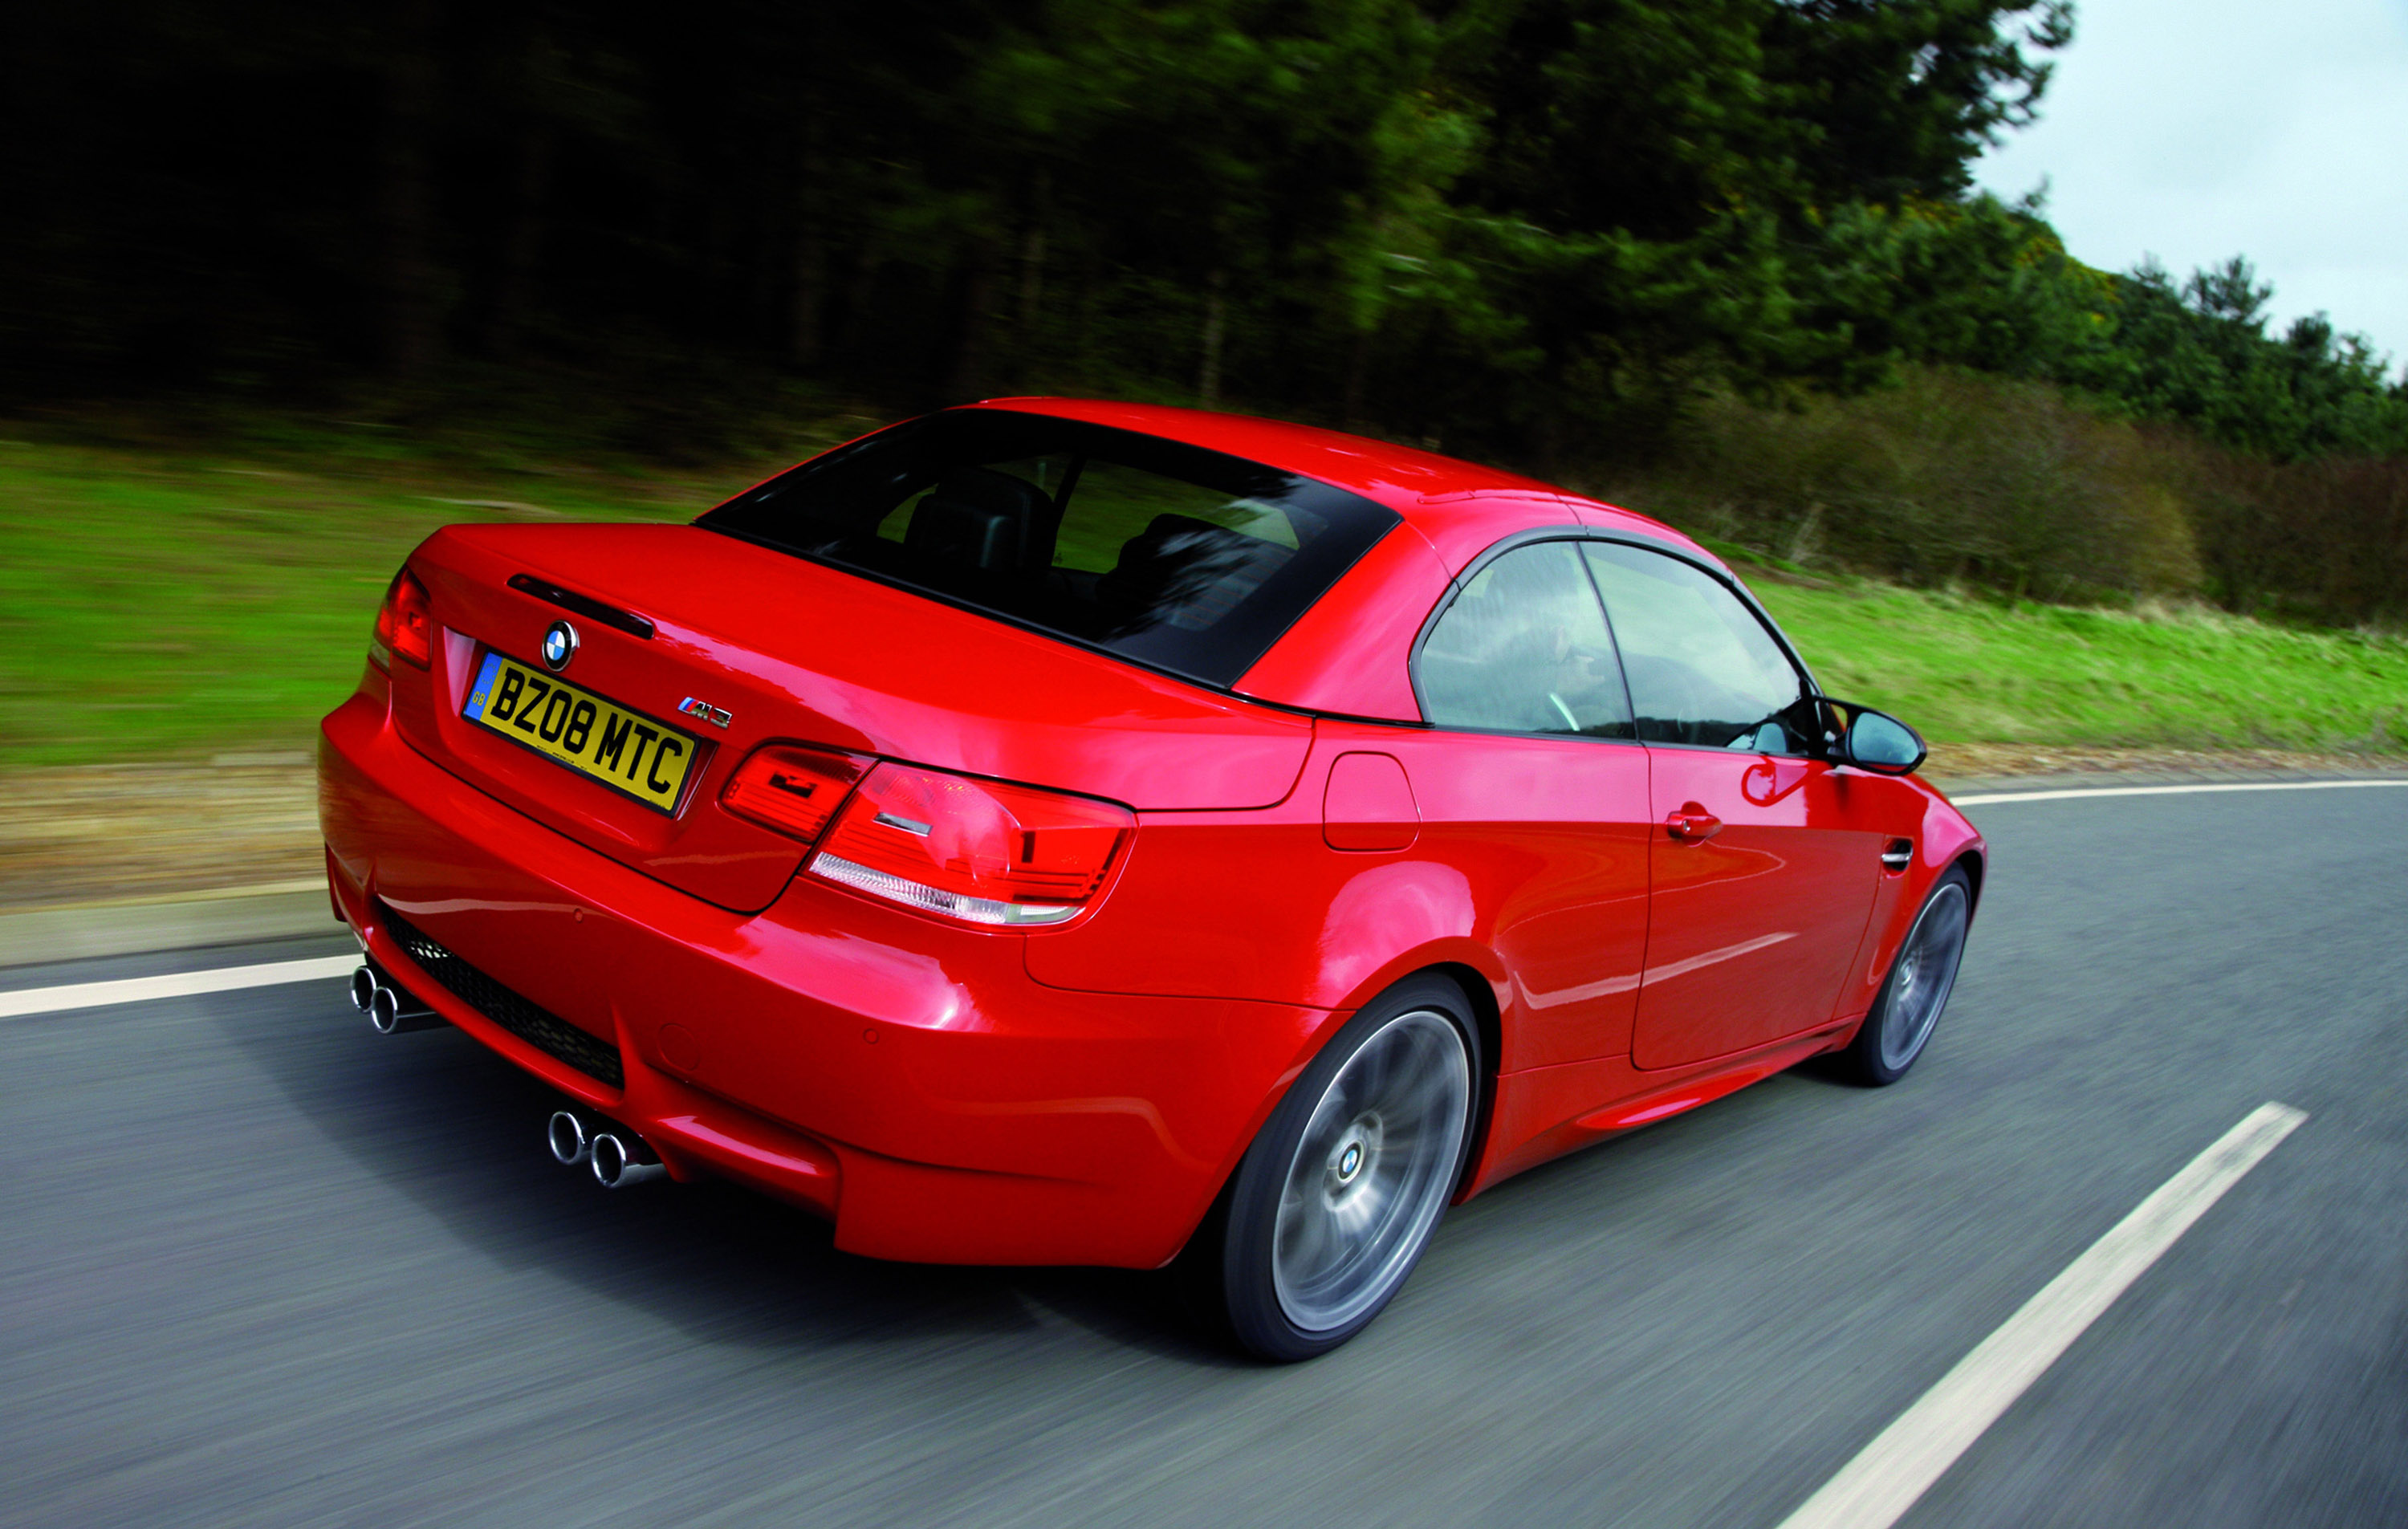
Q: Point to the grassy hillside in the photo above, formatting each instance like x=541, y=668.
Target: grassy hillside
x=156, y=603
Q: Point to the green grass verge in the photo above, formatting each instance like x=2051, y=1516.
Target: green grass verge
x=161, y=602
x=1967, y=670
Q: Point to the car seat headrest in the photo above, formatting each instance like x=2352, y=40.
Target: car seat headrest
x=1186, y=572
x=988, y=519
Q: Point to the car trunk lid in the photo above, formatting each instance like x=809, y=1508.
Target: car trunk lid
x=783, y=648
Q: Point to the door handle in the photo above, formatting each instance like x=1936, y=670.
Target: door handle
x=1692, y=823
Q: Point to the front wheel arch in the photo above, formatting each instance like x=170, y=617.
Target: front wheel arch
x=1976, y=867
x=1933, y=947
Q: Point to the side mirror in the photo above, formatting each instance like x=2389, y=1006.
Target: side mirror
x=1878, y=742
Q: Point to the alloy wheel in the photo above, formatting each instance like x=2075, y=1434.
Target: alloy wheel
x=1373, y=1171
x=1927, y=970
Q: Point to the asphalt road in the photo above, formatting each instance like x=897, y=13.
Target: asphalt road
x=260, y=1266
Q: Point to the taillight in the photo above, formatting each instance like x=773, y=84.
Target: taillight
x=405, y=624
x=973, y=849
x=794, y=790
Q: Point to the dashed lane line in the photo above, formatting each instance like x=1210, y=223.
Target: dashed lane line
x=1876, y=1488
x=136, y=989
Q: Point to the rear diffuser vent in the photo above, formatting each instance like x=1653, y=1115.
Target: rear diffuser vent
x=531, y=1022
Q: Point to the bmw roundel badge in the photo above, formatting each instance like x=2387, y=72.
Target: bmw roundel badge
x=559, y=645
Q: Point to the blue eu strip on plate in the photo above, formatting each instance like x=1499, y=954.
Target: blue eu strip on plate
x=484, y=686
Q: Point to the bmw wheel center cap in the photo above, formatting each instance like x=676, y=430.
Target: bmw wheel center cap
x=559, y=645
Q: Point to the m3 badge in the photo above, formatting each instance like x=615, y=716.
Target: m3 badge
x=702, y=710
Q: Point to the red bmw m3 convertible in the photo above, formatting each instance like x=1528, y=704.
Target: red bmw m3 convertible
x=1058, y=831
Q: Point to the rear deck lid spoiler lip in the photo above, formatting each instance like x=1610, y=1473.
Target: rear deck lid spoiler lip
x=584, y=605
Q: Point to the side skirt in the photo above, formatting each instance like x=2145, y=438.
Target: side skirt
x=1544, y=1112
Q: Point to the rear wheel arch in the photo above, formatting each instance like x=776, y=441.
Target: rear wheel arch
x=1478, y=990
x=1237, y=1264
x=1479, y=997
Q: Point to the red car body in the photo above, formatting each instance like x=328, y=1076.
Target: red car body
x=1078, y=1093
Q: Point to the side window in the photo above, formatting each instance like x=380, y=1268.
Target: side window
x=1702, y=669
x=1523, y=649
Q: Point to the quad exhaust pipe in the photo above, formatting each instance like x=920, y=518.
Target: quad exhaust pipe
x=390, y=1007
x=571, y=1139
x=620, y=1158
x=621, y=1161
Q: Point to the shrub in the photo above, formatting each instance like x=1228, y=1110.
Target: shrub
x=1951, y=478
x=1941, y=478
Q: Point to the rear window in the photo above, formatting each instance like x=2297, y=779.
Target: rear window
x=1173, y=556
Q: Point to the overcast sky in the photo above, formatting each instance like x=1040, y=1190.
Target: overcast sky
x=2196, y=130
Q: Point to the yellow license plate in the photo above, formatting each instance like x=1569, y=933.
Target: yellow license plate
x=626, y=751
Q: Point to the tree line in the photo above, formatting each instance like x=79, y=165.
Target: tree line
x=1543, y=230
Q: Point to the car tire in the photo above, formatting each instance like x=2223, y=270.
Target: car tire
x=1340, y=1192
x=1907, y=1009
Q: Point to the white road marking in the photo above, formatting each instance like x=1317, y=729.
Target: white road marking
x=1985, y=798
x=135, y=990
x=1876, y=1488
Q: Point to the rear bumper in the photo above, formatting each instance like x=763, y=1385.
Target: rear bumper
x=901, y=1076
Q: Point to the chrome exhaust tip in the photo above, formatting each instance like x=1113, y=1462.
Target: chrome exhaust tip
x=363, y=986
x=572, y=1143
x=396, y=1011
x=623, y=1162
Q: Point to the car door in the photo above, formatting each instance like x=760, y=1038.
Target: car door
x=1533, y=782
x=1763, y=870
